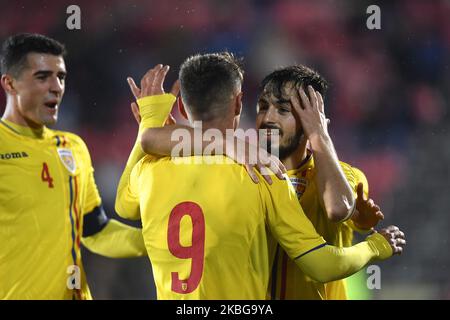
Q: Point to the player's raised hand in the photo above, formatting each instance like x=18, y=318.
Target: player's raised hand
x=152, y=83
x=136, y=113
x=395, y=237
x=309, y=110
x=367, y=214
x=253, y=158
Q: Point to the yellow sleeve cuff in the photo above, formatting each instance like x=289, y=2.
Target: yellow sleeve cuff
x=352, y=225
x=154, y=110
x=379, y=244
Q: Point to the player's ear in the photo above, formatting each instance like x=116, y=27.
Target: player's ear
x=7, y=84
x=238, y=104
x=181, y=108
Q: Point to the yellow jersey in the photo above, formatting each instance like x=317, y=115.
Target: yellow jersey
x=287, y=280
x=46, y=186
x=205, y=226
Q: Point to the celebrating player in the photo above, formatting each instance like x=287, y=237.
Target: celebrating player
x=204, y=223
x=324, y=186
x=49, y=202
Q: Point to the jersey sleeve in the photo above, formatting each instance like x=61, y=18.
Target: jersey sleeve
x=127, y=199
x=354, y=177
x=154, y=111
x=116, y=240
x=330, y=263
x=92, y=197
x=287, y=220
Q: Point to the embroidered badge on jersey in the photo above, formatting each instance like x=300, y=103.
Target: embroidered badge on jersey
x=67, y=159
x=301, y=183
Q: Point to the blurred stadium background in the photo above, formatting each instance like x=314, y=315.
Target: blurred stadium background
x=388, y=102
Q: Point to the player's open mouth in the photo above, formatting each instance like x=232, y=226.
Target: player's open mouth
x=272, y=132
x=51, y=105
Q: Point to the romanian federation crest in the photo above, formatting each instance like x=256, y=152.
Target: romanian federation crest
x=300, y=185
x=67, y=159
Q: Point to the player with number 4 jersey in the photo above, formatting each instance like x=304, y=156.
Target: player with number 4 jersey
x=49, y=202
x=47, y=186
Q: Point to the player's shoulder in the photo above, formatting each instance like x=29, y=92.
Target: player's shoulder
x=148, y=162
x=278, y=187
x=353, y=174
x=351, y=170
x=152, y=160
x=68, y=139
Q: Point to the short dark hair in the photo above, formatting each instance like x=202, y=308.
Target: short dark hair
x=16, y=48
x=299, y=75
x=208, y=81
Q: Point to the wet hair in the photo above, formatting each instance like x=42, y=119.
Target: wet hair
x=208, y=82
x=16, y=48
x=298, y=75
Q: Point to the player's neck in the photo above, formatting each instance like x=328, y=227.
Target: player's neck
x=296, y=158
x=21, y=129
x=15, y=121
x=221, y=124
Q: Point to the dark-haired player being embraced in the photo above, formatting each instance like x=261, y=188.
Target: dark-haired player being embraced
x=49, y=202
x=291, y=103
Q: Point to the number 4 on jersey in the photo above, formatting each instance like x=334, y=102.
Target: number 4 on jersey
x=45, y=175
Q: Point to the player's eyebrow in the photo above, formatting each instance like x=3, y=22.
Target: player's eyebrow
x=48, y=73
x=282, y=101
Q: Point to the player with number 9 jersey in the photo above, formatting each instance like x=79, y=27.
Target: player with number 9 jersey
x=205, y=240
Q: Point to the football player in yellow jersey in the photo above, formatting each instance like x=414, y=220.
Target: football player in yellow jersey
x=205, y=223
x=291, y=102
x=49, y=202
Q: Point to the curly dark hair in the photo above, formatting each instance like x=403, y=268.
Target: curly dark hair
x=299, y=75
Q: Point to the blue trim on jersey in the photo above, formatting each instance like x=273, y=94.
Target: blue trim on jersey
x=74, y=255
x=8, y=126
x=315, y=248
x=58, y=141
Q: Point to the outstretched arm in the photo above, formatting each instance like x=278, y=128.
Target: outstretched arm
x=154, y=107
x=111, y=238
x=297, y=236
x=329, y=263
x=105, y=236
x=163, y=141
